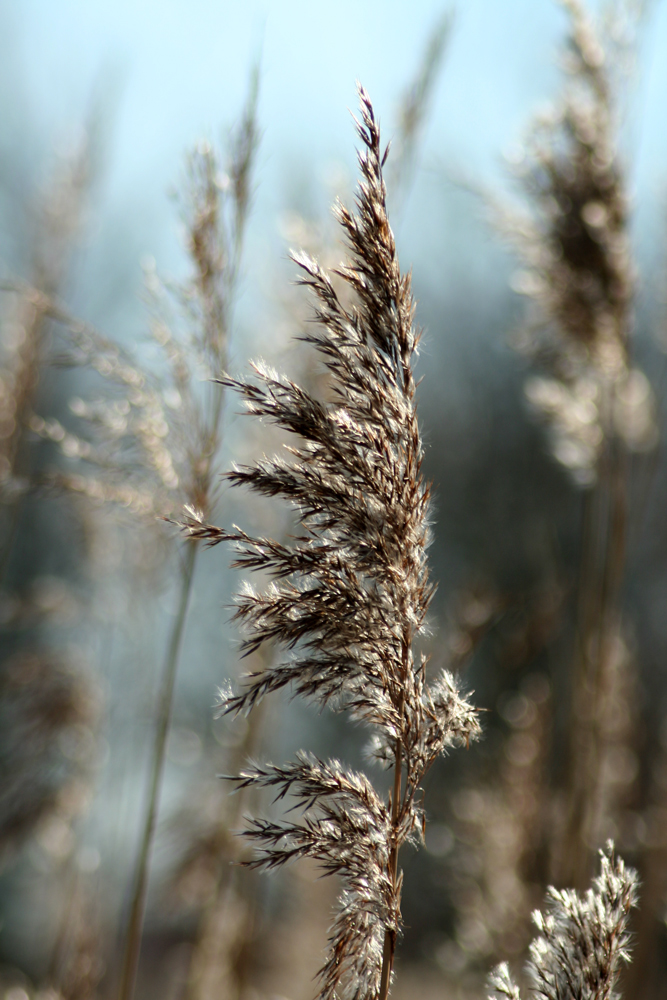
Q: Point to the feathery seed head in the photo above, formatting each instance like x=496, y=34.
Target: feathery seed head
x=350, y=591
x=579, y=272
x=583, y=940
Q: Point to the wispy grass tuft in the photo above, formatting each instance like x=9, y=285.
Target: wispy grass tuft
x=215, y=208
x=583, y=940
x=350, y=593
x=580, y=279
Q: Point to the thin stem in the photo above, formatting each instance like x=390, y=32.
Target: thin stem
x=138, y=906
x=602, y=573
x=202, y=983
x=29, y=365
x=389, y=947
x=390, y=934
x=612, y=575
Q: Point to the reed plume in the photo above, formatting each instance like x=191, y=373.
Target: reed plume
x=58, y=219
x=580, y=278
x=583, y=940
x=579, y=273
x=215, y=215
x=230, y=896
x=47, y=703
x=150, y=442
x=350, y=594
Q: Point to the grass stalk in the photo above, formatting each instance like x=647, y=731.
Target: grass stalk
x=397, y=809
x=215, y=227
x=135, y=923
x=350, y=593
x=389, y=947
x=604, y=547
x=204, y=976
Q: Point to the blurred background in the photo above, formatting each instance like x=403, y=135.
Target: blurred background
x=100, y=106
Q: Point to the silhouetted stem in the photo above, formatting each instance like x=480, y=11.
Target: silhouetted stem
x=138, y=905
x=389, y=948
x=201, y=984
x=390, y=933
x=604, y=547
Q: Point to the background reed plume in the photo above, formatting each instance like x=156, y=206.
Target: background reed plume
x=45, y=696
x=598, y=405
x=215, y=224
x=351, y=593
x=149, y=441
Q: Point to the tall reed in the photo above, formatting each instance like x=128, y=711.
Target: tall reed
x=150, y=443
x=215, y=225
x=44, y=697
x=215, y=963
x=581, y=278
x=351, y=592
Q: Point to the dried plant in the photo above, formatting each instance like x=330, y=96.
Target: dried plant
x=579, y=273
x=150, y=441
x=47, y=705
x=216, y=967
x=47, y=712
x=59, y=214
x=583, y=941
x=413, y=110
x=216, y=211
x=350, y=594
x=581, y=280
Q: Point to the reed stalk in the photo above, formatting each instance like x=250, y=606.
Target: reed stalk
x=598, y=623
x=130, y=961
x=580, y=276
x=215, y=223
x=59, y=217
x=350, y=594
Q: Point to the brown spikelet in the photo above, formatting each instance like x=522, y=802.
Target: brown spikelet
x=578, y=270
x=350, y=593
x=583, y=939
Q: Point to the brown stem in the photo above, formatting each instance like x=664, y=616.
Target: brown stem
x=390, y=932
x=204, y=978
x=600, y=582
x=138, y=906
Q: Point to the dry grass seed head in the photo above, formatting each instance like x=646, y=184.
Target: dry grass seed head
x=350, y=593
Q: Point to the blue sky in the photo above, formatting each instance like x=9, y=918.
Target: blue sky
x=179, y=69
